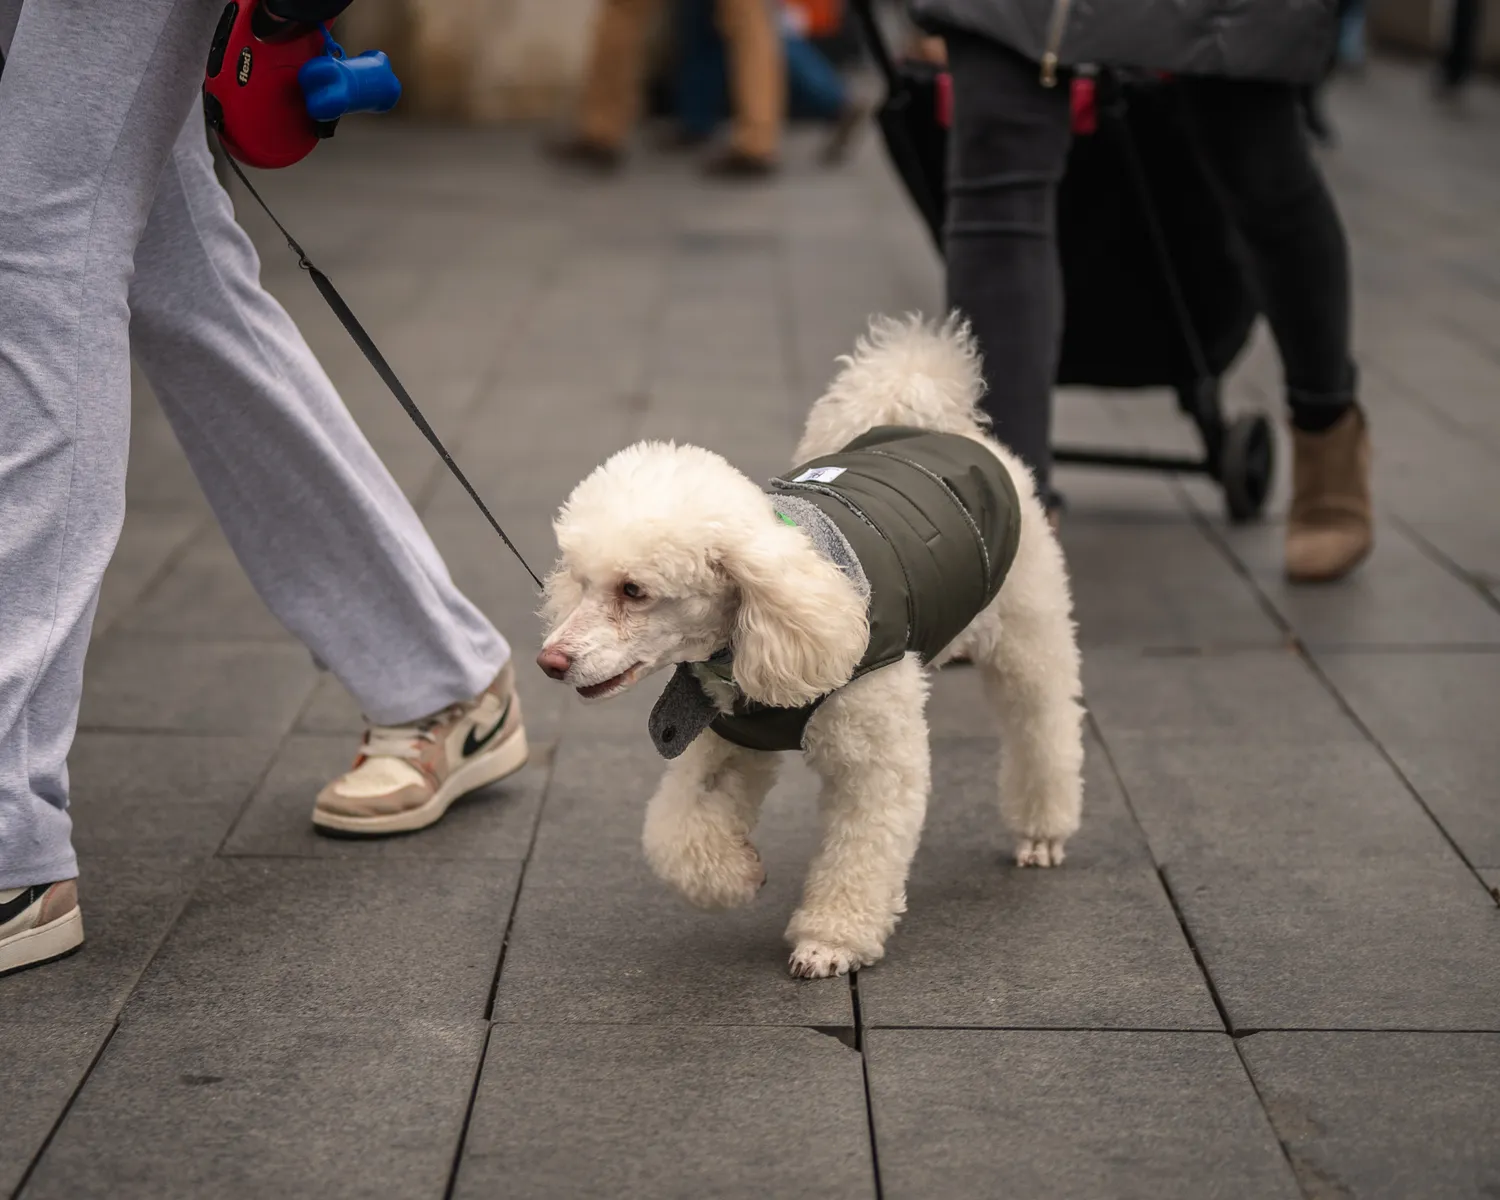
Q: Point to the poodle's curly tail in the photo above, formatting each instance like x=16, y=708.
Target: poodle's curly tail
x=904, y=371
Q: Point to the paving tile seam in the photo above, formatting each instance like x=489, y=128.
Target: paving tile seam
x=1415, y=399
x=1425, y=546
x=198, y=876
x=489, y=1007
x=1265, y=1112
x=463, y=1130
x=260, y=780
x=864, y=1074
x=1301, y=650
x=169, y=564
x=88, y=1072
x=1187, y=934
x=1457, y=649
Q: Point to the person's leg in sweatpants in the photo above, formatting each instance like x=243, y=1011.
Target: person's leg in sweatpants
x=324, y=533
x=1007, y=152
x=91, y=100
x=1251, y=137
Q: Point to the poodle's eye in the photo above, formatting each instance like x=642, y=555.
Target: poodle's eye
x=632, y=591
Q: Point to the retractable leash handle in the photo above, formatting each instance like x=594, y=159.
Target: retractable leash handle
x=272, y=91
x=326, y=86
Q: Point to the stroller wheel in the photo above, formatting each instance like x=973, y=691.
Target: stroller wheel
x=1247, y=466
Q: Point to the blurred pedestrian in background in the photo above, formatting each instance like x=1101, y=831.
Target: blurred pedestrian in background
x=1348, y=55
x=1242, y=75
x=815, y=90
x=1460, y=48
x=614, y=85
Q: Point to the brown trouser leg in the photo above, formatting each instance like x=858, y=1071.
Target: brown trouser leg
x=757, y=75
x=612, y=84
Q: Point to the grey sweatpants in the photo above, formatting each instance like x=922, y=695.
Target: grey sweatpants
x=115, y=235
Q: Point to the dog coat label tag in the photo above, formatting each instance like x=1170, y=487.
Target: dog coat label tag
x=819, y=475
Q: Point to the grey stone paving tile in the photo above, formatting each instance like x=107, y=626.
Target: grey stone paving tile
x=1160, y=585
x=160, y=794
x=988, y=945
x=1258, y=800
x=1387, y=944
x=659, y=1113
x=592, y=904
x=44, y=1061
x=240, y=1104
x=148, y=542
x=205, y=597
x=331, y=710
x=492, y=823
x=1069, y=1115
x=614, y=945
x=598, y=938
x=1434, y=714
x=159, y=479
x=1383, y=1115
x=334, y=938
x=1471, y=540
x=597, y=799
x=963, y=817
x=128, y=905
x=1399, y=597
x=140, y=681
x=1270, y=691
x=619, y=719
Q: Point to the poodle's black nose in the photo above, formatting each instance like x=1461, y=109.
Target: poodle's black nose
x=554, y=661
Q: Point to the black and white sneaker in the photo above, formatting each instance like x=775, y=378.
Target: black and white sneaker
x=39, y=923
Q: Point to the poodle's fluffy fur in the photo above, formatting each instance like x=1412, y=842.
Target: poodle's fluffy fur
x=668, y=554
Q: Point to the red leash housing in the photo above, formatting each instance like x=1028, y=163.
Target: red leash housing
x=251, y=91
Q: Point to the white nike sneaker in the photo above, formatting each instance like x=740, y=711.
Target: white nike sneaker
x=38, y=924
x=406, y=776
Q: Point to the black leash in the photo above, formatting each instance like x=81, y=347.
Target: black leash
x=367, y=347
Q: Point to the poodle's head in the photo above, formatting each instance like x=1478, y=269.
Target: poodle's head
x=668, y=554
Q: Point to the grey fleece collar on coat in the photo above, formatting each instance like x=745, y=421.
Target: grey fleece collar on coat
x=684, y=709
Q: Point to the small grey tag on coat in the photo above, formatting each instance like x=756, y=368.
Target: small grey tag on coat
x=682, y=712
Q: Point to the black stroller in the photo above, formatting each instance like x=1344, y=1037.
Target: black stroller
x=1157, y=295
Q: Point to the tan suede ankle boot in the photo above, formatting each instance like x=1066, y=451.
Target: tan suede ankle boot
x=1330, y=528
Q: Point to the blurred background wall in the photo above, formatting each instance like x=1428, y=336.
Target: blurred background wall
x=498, y=60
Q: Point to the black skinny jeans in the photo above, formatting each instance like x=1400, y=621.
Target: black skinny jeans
x=1008, y=149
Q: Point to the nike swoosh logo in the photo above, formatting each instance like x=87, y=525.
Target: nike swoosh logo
x=473, y=745
x=13, y=908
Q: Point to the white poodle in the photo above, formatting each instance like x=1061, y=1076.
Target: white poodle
x=671, y=557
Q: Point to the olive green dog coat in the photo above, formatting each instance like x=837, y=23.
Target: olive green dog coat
x=925, y=523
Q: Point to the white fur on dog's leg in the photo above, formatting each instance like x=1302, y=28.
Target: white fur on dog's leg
x=869, y=743
x=1028, y=655
x=1039, y=852
x=698, y=825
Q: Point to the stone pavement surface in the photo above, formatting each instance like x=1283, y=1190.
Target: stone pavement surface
x=1270, y=968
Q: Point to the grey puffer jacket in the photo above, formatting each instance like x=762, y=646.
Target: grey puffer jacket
x=1282, y=40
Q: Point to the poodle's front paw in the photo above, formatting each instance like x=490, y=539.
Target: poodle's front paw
x=716, y=874
x=822, y=960
x=1039, y=852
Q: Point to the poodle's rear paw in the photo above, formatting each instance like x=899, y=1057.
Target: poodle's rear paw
x=1039, y=852
x=822, y=960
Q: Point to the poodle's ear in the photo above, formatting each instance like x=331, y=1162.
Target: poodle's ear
x=802, y=626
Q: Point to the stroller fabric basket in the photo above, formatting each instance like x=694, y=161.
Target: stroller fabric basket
x=1156, y=290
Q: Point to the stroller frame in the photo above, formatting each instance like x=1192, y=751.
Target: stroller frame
x=1238, y=454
